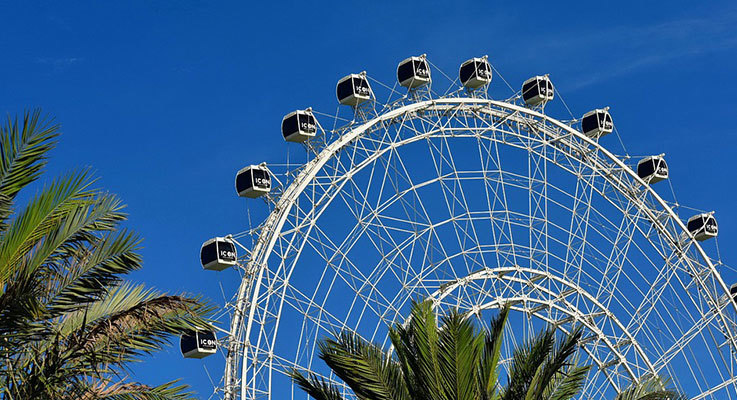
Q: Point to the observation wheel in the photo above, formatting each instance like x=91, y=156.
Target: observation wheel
x=473, y=202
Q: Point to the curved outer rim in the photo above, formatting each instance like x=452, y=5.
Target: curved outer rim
x=275, y=221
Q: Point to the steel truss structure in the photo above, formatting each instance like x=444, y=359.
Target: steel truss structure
x=476, y=202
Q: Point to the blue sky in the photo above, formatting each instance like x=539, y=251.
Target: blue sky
x=167, y=100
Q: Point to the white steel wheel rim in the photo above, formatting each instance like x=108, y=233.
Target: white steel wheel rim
x=255, y=359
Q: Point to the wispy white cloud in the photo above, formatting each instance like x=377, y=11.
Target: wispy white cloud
x=611, y=52
x=59, y=63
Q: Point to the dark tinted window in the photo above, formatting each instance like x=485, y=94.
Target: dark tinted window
x=695, y=224
x=361, y=87
x=405, y=72
x=421, y=69
x=261, y=179
x=188, y=342
x=226, y=251
x=646, y=168
x=243, y=181
x=467, y=71
x=529, y=90
x=589, y=123
x=345, y=89
x=711, y=225
x=289, y=125
x=307, y=123
x=733, y=289
x=208, y=253
x=206, y=340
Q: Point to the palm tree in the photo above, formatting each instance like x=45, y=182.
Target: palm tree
x=69, y=324
x=456, y=361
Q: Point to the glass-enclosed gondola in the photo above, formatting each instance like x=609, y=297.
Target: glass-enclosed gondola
x=218, y=254
x=353, y=89
x=413, y=72
x=198, y=344
x=475, y=73
x=597, y=123
x=253, y=181
x=537, y=90
x=733, y=292
x=298, y=126
x=652, y=169
x=703, y=226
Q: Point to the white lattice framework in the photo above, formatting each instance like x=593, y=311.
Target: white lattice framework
x=475, y=203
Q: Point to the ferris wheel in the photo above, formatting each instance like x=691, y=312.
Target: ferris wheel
x=473, y=202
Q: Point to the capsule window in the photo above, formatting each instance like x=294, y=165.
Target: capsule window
x=345, y=89
x=198, y=344
x=253, y=181
x=733, y=291
x=695, y=224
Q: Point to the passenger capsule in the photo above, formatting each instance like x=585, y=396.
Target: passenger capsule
x=537, y=90
x=475, y=73
x=703, y=226
x=218, y=254
x=298, y=126
x=199, y=344
x=413, y=72
x=733, y=292
x=353, y=89
x=652, y=169
x=597, y=123
x=253, y=181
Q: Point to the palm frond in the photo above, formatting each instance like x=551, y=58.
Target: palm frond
x=559, y=359
x=364, y=367
x=130, y=322
x=104, y=389
x=96, y=269
x=566, y=383
x=317, y=388
x=527, y=358
x=417, y=346
x=650, y=388
x=459, y=354
x=489, y=370
x=44, y=213
x=23, y=149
